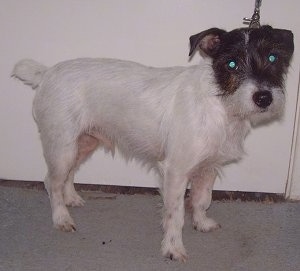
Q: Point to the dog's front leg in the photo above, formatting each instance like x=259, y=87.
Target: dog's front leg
x=174, y=187
x=201, y=194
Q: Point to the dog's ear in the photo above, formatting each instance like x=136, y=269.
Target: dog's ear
x=208, y=41
x=288, y=38
x=284, y=36
x=281, y=36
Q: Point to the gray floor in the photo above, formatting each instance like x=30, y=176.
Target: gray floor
x=122, y=232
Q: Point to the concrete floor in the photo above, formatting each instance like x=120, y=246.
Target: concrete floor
x=122, y=232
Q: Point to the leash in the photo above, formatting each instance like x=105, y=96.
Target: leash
x=254, y=21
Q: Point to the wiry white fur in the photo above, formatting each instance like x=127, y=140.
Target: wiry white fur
x=30, y=72
x=168, y=118
x=240, y=105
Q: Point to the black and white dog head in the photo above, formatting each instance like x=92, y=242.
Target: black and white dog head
x=249, y=67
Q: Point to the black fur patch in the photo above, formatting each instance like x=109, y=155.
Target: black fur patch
x=244, y=54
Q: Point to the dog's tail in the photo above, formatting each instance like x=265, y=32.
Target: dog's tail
x=30, y=72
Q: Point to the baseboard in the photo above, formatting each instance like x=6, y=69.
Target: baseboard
x=129, y=190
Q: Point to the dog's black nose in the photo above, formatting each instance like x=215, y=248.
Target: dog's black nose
x=262, y=98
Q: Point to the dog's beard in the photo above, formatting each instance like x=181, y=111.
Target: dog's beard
x=240, y=104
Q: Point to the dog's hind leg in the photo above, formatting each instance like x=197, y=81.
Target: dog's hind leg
x=86, y=145
x=60, y=161
x=71, y=197
x=201, y=194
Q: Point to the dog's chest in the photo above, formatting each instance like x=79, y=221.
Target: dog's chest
x=231, y=148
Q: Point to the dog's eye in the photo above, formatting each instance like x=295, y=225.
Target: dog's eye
x=272, y=58
x=232, y=65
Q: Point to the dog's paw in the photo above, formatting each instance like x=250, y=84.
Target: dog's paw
x=206, y=225
x=63, y=221
x=176, y=253
x=73, y=200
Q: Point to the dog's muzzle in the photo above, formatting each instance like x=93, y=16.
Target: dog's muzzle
x=262, y=98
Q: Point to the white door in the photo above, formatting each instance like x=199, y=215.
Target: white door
x=151, y=32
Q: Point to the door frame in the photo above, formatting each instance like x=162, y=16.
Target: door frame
x=292, y=190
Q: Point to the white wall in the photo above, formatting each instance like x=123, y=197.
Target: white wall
x=151, y=32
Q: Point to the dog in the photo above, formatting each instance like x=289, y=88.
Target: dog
x=183, y=122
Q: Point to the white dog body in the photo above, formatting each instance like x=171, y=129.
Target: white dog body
x=184, y=122
x=144, y=111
